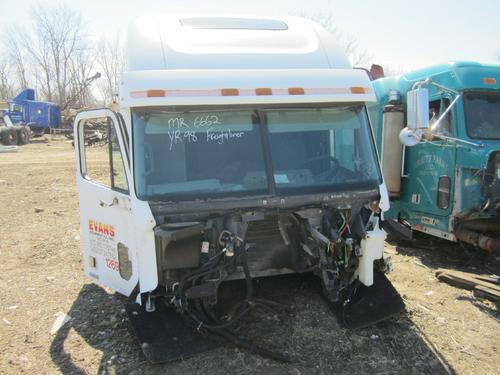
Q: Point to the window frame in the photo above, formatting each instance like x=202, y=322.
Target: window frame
x=465, y=111
x=450, y=115
x=83, y=155
x=222, y=195
x=439, y=192
x=315, y=189
x=260, y=109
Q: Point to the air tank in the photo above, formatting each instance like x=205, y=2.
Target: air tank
x=392, y=149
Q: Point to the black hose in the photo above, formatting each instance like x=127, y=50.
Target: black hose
x=240, y=341
x=202, y=271
x=350, y=294
x=234, y=319
x=246, y=271
x=202, y=318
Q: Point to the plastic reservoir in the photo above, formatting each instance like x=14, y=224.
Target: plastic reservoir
x=372, y=248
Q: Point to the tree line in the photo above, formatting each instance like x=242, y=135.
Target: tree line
x=55, y=55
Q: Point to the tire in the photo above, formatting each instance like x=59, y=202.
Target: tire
x=28, y=133
x=9, y=137
x=23, y=136
x=38, y=132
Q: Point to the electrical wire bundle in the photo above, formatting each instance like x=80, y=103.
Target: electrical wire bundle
x=345, y=224
x=199, y=312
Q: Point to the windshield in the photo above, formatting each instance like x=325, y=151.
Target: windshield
x=320, y=147
x=482, y=115
x=230, y=153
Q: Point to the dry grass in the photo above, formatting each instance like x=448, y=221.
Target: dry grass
x=444, y=329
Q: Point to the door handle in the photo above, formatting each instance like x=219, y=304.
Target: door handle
x=104, y=204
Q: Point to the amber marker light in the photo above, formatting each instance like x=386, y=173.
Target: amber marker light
x=230, y=92
x=296, y=91
x=358, y=90
x=155, y=93
x=489, y=81
x=263, y=91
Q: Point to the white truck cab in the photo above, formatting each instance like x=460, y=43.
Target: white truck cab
x=242, y=148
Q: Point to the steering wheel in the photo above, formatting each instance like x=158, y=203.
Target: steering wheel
x=327, y=174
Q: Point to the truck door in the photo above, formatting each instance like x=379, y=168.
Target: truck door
x=431, y=174
x=103, y=180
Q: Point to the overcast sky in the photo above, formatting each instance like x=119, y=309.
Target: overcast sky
x=406, y=33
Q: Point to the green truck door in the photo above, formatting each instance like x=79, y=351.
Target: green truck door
x=430, y=168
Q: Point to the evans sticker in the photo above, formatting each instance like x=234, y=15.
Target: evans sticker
x=104, y=229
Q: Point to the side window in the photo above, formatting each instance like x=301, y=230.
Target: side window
x=436, y=109
x=103, y=158
x=118, y=177
x=16, y=108
x=443, y=197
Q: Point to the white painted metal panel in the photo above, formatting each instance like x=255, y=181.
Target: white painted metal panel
x=336, y=82
x=111, y=219
x=166, y=42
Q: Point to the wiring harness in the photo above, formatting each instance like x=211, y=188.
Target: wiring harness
x=196, y=294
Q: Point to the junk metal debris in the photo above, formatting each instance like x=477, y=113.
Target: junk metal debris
x=4, y=149
x=487, y=287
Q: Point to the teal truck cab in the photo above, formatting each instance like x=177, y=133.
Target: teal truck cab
x=443, y=173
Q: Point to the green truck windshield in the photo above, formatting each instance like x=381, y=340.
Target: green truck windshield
x=482, y=115
x=221, y=153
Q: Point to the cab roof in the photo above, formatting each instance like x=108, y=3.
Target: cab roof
x=165, y=42
x=458, y=75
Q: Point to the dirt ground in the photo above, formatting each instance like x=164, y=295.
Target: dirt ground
x=443, y=330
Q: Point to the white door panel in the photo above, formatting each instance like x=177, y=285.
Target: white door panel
x=109, y=246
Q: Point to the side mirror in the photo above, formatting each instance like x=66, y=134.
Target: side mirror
x=417, y=103
x=417, y=116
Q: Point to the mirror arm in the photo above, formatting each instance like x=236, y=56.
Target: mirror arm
x=419, y=84
x=442, y=88
x=428, y=81
x=458, y=140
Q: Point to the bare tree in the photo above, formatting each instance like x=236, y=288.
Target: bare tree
x=111, y=59
x=54, y=46
x=16, y=56
x=6, y=83
x=62, y=28
x=82, y=65
x=358, y=56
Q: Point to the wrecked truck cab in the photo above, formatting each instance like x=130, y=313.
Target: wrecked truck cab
x=255, y=176
x=444, y=179
x=242, y=149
